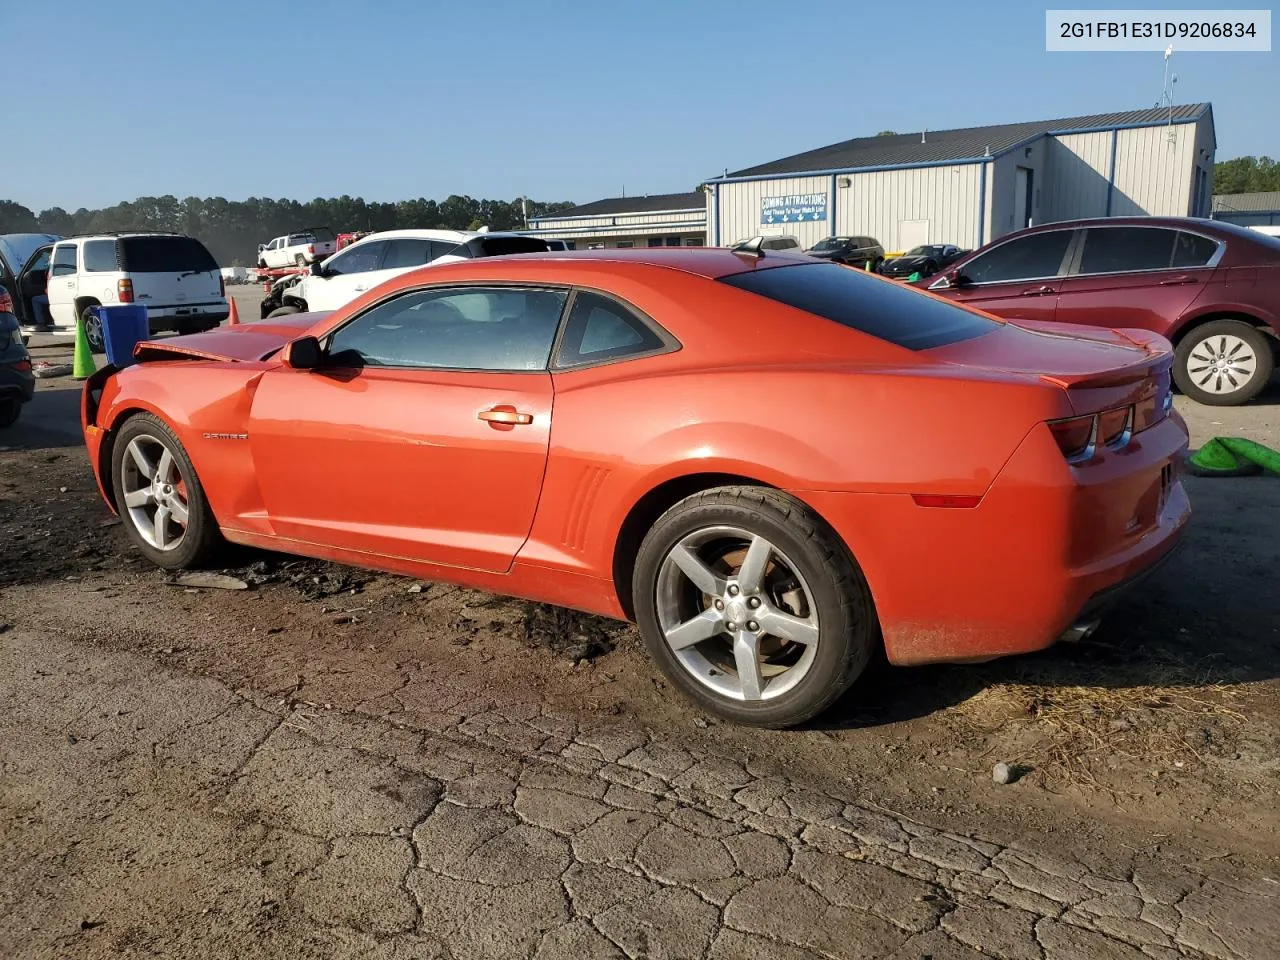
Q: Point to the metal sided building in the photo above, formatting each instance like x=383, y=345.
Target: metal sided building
x=1248, y=209
x=660, y=220
x=971, y=185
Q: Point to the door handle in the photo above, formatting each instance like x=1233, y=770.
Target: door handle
x=1176, y=281
x=1038, y=291
x=507, y=415
x=359, y=289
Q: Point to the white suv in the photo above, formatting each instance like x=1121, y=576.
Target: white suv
x=172, y=275
x=379, y=257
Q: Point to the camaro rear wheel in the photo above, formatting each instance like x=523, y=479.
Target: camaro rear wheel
x=750, y=603
x=1223, y=363
x=159, y=496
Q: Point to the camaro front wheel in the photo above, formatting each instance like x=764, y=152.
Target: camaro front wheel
x=750, y=603
x=159, y=496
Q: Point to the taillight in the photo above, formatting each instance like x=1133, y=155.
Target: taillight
x=6, y=301
x=1079, y=437
x=124, y=291
x=312, y=249
x=22, y=366
x=1074, y=435
x=1113, y=425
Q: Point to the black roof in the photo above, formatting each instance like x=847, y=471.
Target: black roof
x=649, y=203
x=941, y=146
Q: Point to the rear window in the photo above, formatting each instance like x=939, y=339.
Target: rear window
x=879, y=308
x=501, y=246
x=164, y=255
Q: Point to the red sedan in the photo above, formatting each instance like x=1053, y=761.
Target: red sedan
x=1210, y=287
x=773, y=465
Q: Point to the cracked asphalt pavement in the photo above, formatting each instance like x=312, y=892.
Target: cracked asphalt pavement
x=338, y=764
x=512, y=833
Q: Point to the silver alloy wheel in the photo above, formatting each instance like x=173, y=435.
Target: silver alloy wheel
x=154, y=492
x=1221, y=364
x=737, y=614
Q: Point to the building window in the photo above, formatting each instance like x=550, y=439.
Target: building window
x=595, y=246
x=693, y=241
x=626, y=243
x=655, y=241
x=673, y=241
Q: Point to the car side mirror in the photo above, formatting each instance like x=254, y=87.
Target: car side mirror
x=304, y=353
x=317, y=268
x=261, y=247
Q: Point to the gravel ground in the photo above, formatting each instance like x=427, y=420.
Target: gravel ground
x=335, y=763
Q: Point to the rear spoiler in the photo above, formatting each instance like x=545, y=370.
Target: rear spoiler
x=1158, y=361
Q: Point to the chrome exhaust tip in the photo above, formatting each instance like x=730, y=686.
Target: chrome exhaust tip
x=1081, y=630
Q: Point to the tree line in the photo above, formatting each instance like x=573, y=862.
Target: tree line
x=232, y=229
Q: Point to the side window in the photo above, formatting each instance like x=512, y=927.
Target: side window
x=40, y=262
x=359, y=258
x=1193, y=250
x=601, y=329
x=64, y=260
x=1123, y=249
x=406, y=252
x=472, y=328
x=1027, y=258
x=440, y=248
x=274, y=244
x=100, y=256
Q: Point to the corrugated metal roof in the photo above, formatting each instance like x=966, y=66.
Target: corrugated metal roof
x=1247, y=202
x=941, y=146
x=646, y=204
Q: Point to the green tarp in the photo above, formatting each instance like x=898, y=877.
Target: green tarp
x=1233, y=457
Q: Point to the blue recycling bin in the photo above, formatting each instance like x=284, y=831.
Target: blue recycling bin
x=124, y=326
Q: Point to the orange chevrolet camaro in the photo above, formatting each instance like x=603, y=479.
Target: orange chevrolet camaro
x=772, y=464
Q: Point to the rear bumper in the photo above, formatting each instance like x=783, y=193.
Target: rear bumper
x=1049, y=547
x=14, y=381
x=169, y=317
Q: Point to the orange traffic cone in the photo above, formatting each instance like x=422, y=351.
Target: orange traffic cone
x=234, y=316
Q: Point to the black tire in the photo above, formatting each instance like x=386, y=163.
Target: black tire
x=1196, y=352
x=930, y=268
x=93, y=329
x=10, y=407
x=841, y=599
x=202, y=537
x=283, y=311
x=877, y=264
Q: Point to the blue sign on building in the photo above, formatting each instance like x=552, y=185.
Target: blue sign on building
x=793, y=208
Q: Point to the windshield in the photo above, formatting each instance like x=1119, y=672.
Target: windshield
x=831, y=243
x=17, y=248
x=925, y=251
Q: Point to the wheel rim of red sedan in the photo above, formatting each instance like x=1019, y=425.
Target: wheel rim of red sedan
x=1222, y=364
x=737, y=613
x=155, y=494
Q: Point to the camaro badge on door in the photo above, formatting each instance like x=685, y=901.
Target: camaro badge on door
x=226, y=436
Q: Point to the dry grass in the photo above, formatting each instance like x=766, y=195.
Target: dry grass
x=1176, y=719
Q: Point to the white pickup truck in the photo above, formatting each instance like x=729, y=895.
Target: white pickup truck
x=297, y=249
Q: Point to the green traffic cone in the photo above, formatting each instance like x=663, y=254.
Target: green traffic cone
x=914, y=277
x=82, y=365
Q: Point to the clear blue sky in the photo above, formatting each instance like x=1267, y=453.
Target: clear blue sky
x=557, y=99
